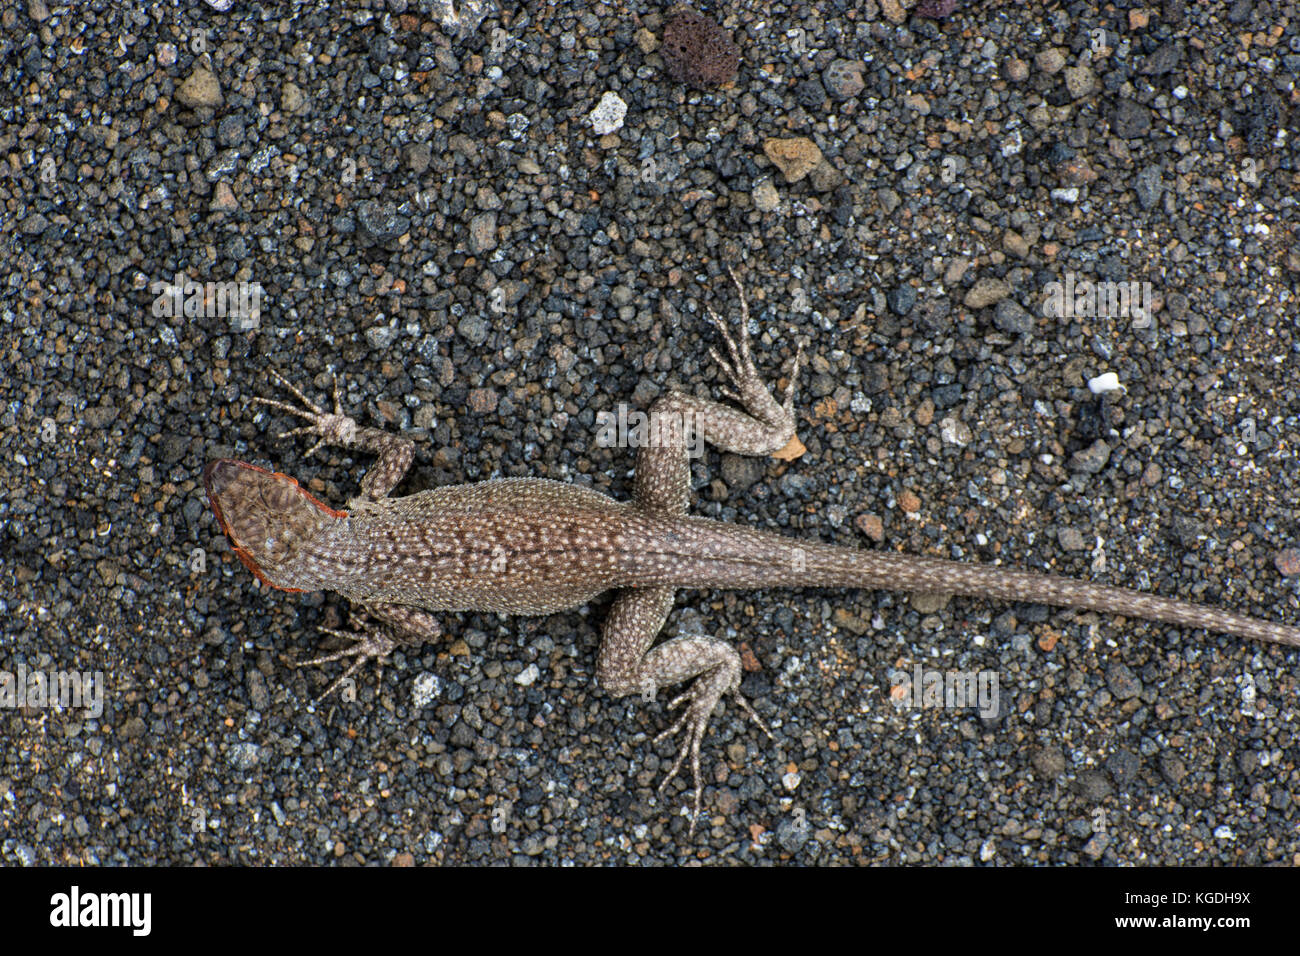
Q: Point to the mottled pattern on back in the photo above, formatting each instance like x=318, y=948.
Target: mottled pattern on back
x=507, y=545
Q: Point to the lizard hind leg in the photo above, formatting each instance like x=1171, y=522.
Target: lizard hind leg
x=628, y=665
x=748, y=388
x=761, y=426
x=714, y=666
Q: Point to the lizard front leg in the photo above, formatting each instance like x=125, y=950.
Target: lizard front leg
x=393, y=453
x=401, y=624
x=628, y=664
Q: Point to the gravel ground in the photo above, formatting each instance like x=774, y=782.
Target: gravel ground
x=436, y=218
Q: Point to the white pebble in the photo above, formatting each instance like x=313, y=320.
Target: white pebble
x=765, y=196
x=1106, y=382
x=608, y=115
x=955, y=432
x=425, y=688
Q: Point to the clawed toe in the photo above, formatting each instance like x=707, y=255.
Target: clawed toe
x=371, y=645
x=738, y=366
x=308, y=410
x=694, y=724
x=741, y=365
x=699, y=700
x=328, y=427
x=753, y=715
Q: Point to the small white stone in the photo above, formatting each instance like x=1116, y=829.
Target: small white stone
x=425, y=688
x=1066, y=195
x=528, y=676
x=608, y=115
x=1106, y=382
x=955, y=432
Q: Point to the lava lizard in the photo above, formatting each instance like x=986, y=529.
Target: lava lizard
x=536, y=546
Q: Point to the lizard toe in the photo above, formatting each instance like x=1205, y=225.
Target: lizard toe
x=372, y=644
x=693, y=724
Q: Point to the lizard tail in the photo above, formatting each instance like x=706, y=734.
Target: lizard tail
x=734, y=562
x=913, y=573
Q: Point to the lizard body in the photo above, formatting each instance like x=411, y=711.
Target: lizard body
x=534, y=546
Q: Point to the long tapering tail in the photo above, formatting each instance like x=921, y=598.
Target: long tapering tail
x=911, y=573
x=748, y=558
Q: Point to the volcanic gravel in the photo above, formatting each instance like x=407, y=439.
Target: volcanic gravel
x=427, y=211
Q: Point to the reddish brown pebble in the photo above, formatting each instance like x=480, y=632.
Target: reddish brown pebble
x=1075, y=172
x=1287, y=562
x=872, y=527
x=482, y=400
x=935, y=9
x=696, y=50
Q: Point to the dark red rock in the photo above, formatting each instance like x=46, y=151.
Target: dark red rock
x=936, y=9
x=696, y=50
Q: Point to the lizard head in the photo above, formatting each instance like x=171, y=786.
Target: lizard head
x=268, y=518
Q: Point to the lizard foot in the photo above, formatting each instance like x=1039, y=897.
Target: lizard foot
x=699, y=700
x=748, y=388
x=371, y=645
x=329, y=428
